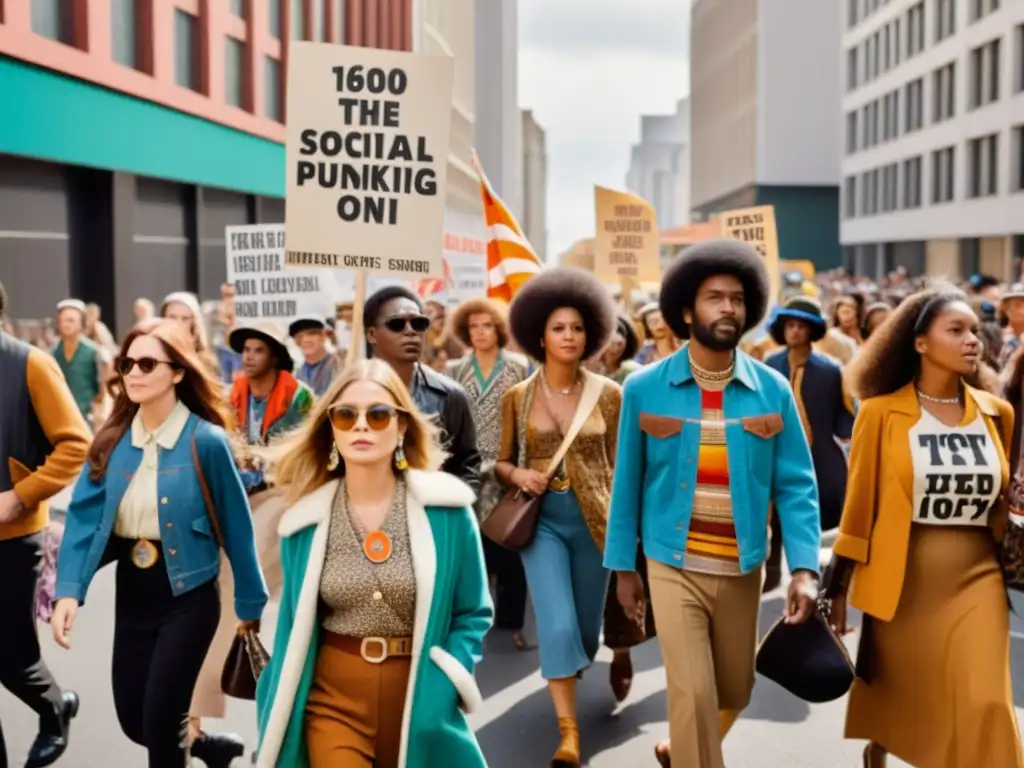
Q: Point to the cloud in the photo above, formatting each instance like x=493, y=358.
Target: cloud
x=589, y=70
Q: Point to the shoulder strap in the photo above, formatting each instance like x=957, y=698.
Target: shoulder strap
x=207, y=499
x=592, y=388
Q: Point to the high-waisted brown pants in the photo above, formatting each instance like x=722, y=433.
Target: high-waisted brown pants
x=354, y=711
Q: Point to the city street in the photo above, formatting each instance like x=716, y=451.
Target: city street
x=516, y=727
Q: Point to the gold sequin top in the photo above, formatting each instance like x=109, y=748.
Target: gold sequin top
x=365, y=599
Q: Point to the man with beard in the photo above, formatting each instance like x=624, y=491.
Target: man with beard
x=395, y=327
x=709, y=440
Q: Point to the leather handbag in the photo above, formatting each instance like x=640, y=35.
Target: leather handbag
x=246, y=661
x=1011, y=549
x=513, y=521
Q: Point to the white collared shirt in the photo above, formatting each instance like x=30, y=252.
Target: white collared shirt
x=137, y=515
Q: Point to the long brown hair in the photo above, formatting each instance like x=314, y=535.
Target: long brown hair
x=197, y=390
x=298, y=460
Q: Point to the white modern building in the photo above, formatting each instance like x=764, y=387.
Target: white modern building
x=534, y=220
x=659, y=167
x=933, y=153
x=498, y=121
x=764, y=125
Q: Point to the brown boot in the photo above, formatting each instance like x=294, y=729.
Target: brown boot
x=568, y=752
x=874, y=756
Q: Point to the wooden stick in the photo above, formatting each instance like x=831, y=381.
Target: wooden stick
x=357, y=339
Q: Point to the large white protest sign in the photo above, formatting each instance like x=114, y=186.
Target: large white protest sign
x=367, y=157
x=265, y=288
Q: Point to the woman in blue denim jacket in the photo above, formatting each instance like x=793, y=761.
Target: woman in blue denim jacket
x=159, y=495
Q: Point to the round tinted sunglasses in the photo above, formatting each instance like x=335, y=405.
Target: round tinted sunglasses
x=125, y=365
x=419, y=323
x=378, y=416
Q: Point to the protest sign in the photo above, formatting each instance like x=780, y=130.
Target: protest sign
x=266, y=288
x=756, y=227
x=627, y=245
x=464, y=274
x=366, y=158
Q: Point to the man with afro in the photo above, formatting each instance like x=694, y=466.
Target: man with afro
x=709, y=440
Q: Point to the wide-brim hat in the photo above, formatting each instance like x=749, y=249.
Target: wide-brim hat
x=307, y=323
x=1015, y=291
x=267, y=332
x=807, y=659
x=802, y=308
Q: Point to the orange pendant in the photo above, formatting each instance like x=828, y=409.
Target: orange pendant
x=377, y=547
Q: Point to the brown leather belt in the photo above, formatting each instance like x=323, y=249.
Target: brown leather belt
x=375, y=650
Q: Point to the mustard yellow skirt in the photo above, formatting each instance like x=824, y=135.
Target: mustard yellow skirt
x=934, y=685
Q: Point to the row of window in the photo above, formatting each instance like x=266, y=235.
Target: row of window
x=878, y=121
x=886, y=48
x=897, y=186
x=945, y=13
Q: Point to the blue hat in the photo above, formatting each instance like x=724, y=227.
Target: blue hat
x=798, y=308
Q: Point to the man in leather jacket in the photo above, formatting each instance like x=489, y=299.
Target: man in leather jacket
x=395, y=327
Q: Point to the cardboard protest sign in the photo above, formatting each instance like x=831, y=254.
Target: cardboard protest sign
x=756, y=226
x=266, y=288
x=366, y=158
x=627, y=245
x=464, y=273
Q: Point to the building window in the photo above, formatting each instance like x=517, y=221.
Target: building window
x=912, y=182
x=298, y=30
x=851, y=132
x=886, y=49
x=984, y=84
x=897, y=41
x=942, y=174
x=54, y=19
x=890, y=187
x=944, y=93
x=945, y=19
x=319, y=28
x=851, y=69
x=1018, y=161
x=982, y=8
x=238, y=8
x=915, y=105
x=122, y=32
x=186, y=71
x=272, y=85
x=234, y=72
x=339, y=7
x=274, y=22
x=850, y=197
x=983, y=166
x=851, y=13
x=1019, y=59
x=915, y=29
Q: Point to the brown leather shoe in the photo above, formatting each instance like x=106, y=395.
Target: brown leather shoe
x=874, y=756
x=568, y=753
x=663, y=752
x=620, y=675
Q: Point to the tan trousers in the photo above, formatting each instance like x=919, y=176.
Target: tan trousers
x=354, y=710
x=208, y=699
x=707, y=629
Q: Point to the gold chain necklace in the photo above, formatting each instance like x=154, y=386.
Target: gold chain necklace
x=712, y=376
x=566, y=391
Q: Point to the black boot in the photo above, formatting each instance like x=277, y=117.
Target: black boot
x=52, y=741
x=217, y=750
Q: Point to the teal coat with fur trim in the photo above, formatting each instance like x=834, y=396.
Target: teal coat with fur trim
x=453, y=613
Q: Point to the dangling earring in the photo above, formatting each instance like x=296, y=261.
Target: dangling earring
x=334, y=459
x=400, y=463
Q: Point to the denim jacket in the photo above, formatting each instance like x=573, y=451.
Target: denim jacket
x=656, y=466
x=190, y=551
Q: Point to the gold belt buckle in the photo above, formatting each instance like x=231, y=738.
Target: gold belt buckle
x=144, y=554
x=383, y=649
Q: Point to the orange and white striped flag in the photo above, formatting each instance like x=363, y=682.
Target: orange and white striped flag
x=511, y=260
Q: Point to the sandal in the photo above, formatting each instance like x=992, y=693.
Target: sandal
x=620, y=675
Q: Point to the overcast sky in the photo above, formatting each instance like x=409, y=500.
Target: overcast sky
x=589, y=69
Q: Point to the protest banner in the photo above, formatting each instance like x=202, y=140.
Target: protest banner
x=464, y=274
x=366, y=159
x=627, y=244
x=756, y=226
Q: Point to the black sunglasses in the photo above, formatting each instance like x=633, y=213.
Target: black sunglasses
x=125, y=365
x=419, y=323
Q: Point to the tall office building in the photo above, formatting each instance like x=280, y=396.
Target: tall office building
x=933, y=155
x=659, y=166
x=764, y=123
x=134, y=132
x=534, y=174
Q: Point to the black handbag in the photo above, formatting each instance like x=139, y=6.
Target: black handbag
x=807, y=659
x=245, y=663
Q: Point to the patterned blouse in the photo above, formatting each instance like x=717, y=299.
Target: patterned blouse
x=365, y=599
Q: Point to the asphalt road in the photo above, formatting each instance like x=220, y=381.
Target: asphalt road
x=516, y=726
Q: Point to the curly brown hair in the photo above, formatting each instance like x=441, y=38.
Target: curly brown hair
x=888, y=360
x=458, y=324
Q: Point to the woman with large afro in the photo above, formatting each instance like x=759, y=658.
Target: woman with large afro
x=561, y=318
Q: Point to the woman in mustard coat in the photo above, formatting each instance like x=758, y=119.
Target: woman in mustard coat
x=925, y=505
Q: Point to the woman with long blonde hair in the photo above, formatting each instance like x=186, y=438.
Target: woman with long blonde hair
x=385, y=601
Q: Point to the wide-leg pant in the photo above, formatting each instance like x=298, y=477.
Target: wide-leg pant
x=160, y=642
x=568, y=583
x=708, y=636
